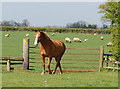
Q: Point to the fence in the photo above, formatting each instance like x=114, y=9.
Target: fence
x=24, y=59
x=9, y=59
x=72, y=61
x=110, y=63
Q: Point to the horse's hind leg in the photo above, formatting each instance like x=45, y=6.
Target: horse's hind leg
x=55, y=68
x=60, y=68
x=48, y=65
x=57, y=64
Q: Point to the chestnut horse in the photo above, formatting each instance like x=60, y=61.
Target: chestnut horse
x=49, y=48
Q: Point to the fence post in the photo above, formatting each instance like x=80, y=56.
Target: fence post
x=101, y=57
x=26, y=53
x=8, y=65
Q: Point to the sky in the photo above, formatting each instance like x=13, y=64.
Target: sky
x=52, y=13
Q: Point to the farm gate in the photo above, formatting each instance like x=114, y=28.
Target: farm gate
x=74, y=59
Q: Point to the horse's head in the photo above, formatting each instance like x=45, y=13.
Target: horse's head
x=40, y=36
x=37, y=37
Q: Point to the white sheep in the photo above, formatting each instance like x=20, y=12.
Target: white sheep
x=53, y=34
x=85, y=40
x=27, y=34
x=76, y=39
x=67, y=40
x=95, y=34
x=7, y=35
x=109, y=44
x=102, y=37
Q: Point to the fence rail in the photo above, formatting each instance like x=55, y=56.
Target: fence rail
x=12, y=58
x=81, y=54
x=75, y=48
x=84, y=48
x=70, y=63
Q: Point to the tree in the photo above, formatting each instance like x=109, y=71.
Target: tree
x=111, y=12
x=79, y=24
x=25, y=23
x=5, y=23
x=104, y=26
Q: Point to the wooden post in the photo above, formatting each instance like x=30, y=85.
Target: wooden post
x=101, y=57
x=26, y=54
x=113, y=66
x=8, y=65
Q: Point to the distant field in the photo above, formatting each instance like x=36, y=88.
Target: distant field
x=12, y=46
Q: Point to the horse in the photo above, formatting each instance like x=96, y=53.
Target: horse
x=50, y=49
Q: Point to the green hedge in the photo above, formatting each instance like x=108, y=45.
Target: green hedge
x=48, y=29
x=116, y=42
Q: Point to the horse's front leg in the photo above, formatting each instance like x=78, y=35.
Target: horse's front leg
x=48, y=65
x=43, y=62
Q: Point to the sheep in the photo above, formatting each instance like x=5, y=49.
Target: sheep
x=95, y=34
x=76, y=39
x=27, y=34
x=109, y=44
x=85, y=40
x=67, y=40
x=102, y=37
x=7, y=35
x=53, y=34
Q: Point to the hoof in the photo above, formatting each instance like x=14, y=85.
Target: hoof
x=42, y=73
x=53, y=72
x=61, y=73
x=50, y=72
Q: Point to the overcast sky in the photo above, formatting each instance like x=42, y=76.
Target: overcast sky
x=52, y=13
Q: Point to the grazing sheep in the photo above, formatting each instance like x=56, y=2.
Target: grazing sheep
x=7, y=35
x=67, y=40
x=76, y=40
x=53, y=34
x=85, y=40
x=95, y=34
x=102, y=37
x=27, y=34
x=109, y=44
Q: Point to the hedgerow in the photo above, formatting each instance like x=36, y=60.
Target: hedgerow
x=48, y=29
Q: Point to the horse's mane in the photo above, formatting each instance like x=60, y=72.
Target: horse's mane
x=45, y=35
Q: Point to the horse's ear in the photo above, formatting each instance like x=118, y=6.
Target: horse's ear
x=35, y=30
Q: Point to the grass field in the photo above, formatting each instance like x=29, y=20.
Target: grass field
x=12, y=46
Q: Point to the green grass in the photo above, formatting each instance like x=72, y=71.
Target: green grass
x=68, y=79
x=12, y=46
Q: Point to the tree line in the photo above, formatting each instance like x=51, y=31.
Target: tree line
x=78, y=24
x=83, y=24
x=24, y=23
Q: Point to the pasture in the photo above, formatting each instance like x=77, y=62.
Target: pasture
x=12, y=46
